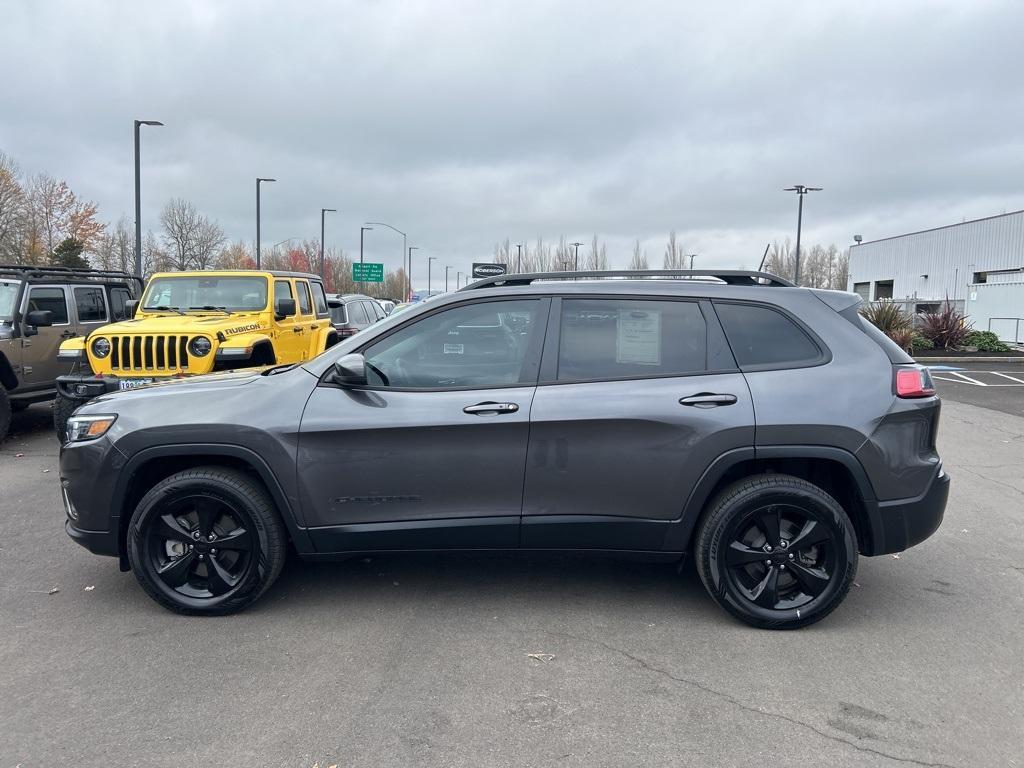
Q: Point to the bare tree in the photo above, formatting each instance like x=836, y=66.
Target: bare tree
x=115, y=248
x=639, y=260
x=675, y=257
x=13, y=211
x=193, y=241
x=597, y=257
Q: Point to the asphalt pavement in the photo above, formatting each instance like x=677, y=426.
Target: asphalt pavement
x=519, y=661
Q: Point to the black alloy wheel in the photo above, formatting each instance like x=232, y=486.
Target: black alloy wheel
x=776, y=551
x=206, y=541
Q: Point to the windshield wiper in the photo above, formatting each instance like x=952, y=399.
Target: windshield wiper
x=214, y=309
x=164, y=308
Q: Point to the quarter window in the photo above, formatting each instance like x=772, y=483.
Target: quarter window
x=630, y=338
x=760, y=336
x=476, y=345
x=90, y=305
x=49, y=300
x=305, y=305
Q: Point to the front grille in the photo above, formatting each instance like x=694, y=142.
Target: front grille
x=149, y=353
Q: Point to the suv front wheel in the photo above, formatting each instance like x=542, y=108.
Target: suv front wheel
x=776, y=551
x=206, y=541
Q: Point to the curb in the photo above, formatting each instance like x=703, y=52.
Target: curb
x=937, y=359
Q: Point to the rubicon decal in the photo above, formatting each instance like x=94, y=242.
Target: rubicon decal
x=242, y=329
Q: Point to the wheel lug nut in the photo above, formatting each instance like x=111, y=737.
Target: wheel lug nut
x=200, y=557
x=781, y=567
x=190, y=547
x=211, y=537
x=767, y=547
x=768, y=563
x=213, y=551
x=195, y=535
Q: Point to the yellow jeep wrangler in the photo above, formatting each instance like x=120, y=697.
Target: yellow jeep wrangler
x=191, y=323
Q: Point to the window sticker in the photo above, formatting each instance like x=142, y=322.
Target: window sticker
x=639, y=337
x=454, y=349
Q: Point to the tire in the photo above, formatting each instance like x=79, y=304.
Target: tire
x=780, y=585
x=180, y=513
x=5, y=413
x=17, y=406
x=63, y=407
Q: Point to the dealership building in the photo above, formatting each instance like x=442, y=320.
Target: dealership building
x=976, y=265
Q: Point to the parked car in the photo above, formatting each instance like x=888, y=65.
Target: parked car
x=400, y=307
x=39, y=308
x=387, y=305
x=191, y=323
x=767, y=431
x=353, y=312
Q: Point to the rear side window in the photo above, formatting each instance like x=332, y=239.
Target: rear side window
x=760, y=336
x=90, y=305
x=49, y=300
x=119, y=297
x=305, y=304
x=338, y=315
x=356, y=314
x=630, y=338
x=375, y=311
x=319, y=300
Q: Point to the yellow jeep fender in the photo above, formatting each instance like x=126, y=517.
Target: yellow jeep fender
x=240, y=348
x=73, y=349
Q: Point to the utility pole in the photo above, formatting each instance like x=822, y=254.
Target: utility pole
x=138, y=196
x=800, y=190
x=576, y=263
x=519, y=257
x=361, y=231
x=258, y=182
x=411, y=249
x=446, y=278
x=322, y=212
x=458, y=280
x=430, y=263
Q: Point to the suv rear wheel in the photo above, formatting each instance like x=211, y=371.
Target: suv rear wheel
x=776, y=552
x=206, y=541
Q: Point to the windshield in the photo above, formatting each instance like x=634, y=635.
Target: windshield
x=241, y=293
x=8, y=295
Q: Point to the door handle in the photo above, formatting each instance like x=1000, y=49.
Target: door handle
x=312, y=327
x=68, y=335
x=298, y=329
x=708, y=400
x=483, y=409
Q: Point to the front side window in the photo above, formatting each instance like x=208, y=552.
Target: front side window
x=479, y=345
x=305, y=304
x=8, y=297
x=282, y=290
x=49, y=300
x=760, y=336
x=630, y=338
x=119, y=298
x=90, y=305
x=236, y=294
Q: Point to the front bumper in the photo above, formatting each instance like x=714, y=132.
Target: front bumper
x=86, y=387
x=97, y=542
x=906, y=522
x=88, y=474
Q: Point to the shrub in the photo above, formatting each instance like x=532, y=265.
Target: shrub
x=946, y=328
x=904, y=337
x=985, y=341
x=887, y=317
x=917, y=341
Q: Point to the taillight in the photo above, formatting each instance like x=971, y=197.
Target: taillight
x=914, y=382
x=346, y=332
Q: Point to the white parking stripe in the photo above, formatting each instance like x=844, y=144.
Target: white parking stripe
x=968, y=378
x=1007, y=376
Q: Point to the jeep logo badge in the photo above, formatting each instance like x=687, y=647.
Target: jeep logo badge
x=489, y=270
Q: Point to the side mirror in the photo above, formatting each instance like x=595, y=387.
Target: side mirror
x=130, y=307
x=284, y=308
x=350, y=371
x=39, y=318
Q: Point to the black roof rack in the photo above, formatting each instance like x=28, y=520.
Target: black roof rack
x=727, y=276
x=33, y=272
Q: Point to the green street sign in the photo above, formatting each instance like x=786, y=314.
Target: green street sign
x=367, y=273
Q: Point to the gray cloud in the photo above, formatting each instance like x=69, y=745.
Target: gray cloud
x=465, y=122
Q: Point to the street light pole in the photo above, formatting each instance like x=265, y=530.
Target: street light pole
x=800, y=190
x=576, y=264
x=411, y=249
x=458, y=280
x=361, y=231
x=692, y=257
x=519, y=257
x=322, y=212
x=446, y=278
x=430, y=263
x=404, y=247
x=138, y=196
x=258, y=182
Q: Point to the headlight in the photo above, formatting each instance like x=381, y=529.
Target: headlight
x=200, y=346
x=101, y=347
x=89, y=427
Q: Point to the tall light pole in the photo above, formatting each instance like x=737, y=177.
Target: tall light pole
x=692, y=257
x=430, y=263
x=800, y=190
x=576, y=264
x=519, y=257
x=138, y=196
x=411, y=249
x=361, y=231
x=322, y=212
x=458, y=280
x=404, y=244
x=446, y=278
x=258, y=182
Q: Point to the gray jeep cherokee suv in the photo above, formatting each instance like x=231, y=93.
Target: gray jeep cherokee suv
x=765, y=429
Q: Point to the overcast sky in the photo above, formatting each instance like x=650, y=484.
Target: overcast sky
x=466, y=122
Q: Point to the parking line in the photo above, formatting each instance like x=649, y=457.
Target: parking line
x=1007, y=376
x=968, y=378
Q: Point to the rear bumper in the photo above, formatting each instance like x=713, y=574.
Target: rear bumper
x=906, y=522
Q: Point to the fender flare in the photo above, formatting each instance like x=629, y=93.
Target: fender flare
x=250, y=457
x=680, y=533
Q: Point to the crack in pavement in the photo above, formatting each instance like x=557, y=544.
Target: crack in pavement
x=980, y=476
x=746, y=707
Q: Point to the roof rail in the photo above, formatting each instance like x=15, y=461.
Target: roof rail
x=34, y=271
x=727, y=276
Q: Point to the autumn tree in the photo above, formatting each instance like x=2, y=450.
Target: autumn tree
x=13, y=210
x=236, y=256
x=54, y=214
x=193, y=241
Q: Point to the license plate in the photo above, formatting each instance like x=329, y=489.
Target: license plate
x=133, y=383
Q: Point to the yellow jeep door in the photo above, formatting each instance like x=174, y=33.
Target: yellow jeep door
x=305, y=320
x=288, y=341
